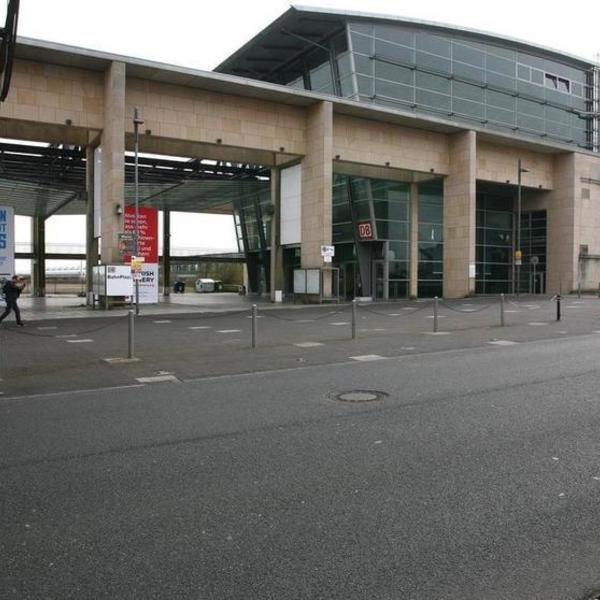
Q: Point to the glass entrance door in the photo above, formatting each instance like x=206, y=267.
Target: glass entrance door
x=378, y=281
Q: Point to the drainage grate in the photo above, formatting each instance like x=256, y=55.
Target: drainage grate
x=359, y=396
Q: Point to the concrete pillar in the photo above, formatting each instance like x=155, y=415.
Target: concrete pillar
x=166, y=252
x=414, y=241
x=113, y=161
x=276, y=249
x=459, y=216
x=562, y=251
x=317, y=181
x=39, y=254
x=91, y=241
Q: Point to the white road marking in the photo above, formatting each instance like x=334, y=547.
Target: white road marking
x=503, y=343
x=561, y=495
x=67, y=335
x=394, y=314
x=432, y=317
x=436, y=332
x=537, y=324
x=555, y=458
x=308, y=344
x=85, y=341
x=228, y=330
x=378, y=442
x=157, y=379
x=596, y=478
x=162, y=321
x=341, y=323
x=200, y=327
x=512, y=311
x=257, y=316
x=367, y=357
x=407, y=348
x=46, y=328
x=120, y=360
x=305, y=321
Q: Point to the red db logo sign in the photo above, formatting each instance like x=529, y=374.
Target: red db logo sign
x=365, y=230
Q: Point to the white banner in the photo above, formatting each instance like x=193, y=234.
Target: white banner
x=149, y=284
x=7, y=242
x=97, y=191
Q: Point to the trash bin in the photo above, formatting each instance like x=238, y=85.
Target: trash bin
x=179, y=287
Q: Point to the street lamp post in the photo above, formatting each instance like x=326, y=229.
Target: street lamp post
x=137, y=121
x=518, y=253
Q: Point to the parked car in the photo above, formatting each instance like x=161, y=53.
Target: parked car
x=205, y=285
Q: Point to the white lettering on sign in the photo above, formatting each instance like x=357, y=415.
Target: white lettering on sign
x=365, y=230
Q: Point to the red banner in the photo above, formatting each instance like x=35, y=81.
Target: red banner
x=148, y=227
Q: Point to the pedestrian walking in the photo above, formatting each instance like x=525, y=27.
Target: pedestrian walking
x=12, y=290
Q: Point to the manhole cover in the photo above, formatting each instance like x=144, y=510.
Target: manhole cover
x=359, y=396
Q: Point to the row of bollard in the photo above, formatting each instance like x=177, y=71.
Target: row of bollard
x=254, y=334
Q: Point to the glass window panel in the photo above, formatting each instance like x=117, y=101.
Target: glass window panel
x=498, y=220
x=363, y=65
x=320, y=78
x=431, y=251
x=435, y=63
x=500, y=100
x=361, y=27
x=344, y=65
x=467, y=108
x=343, y=232
x=524, y=72
x=429, y=289
x=362, y=44
x=365, y=86
x=531, y=123
x=392, y=230
x=531, y=90
x=398, y=289
x=431, y=232
x=385, y=70
x=500, y=116
x=433, y=83
x=395, y=34
x=431, y=211
x=528, y=107
x=396, y=211
x=341, y=213
x=431, y=270
x=468, y=72
x=467, y=54
x=557, y=115
x=468, y=91
x=393, y=90
x=537, y=76
x=433, y=44
x=501, y=81
x=398, y=269
x=500, y=65
x=398, y=250
x=394, y=52
x=495, y=254
x=347, y=86
x=533, y=61
x=433, y=100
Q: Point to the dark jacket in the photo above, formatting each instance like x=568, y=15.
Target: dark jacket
x=11, y=290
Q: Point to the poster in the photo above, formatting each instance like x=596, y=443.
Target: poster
x=148, y=227
x=7, y=242
x=149, y=284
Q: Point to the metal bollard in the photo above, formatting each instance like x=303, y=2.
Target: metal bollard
x=501, y=310
x=254, y=325
x=435, y=314
x=354, y=319
x=558, y=307
x=131, y=337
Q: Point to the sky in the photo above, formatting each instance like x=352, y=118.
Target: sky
x=200, y=34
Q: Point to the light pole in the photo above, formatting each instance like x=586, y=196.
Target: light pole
x=518, y=253
x=137, y=121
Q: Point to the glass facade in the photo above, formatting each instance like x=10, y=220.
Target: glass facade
x=494, y=243
x=452, y=77
x=431, y=240
x=533, y=244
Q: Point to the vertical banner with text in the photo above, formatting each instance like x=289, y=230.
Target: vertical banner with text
x=7, y=242
x=147, y=250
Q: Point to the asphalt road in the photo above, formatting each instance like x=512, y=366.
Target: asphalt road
x=478, y=476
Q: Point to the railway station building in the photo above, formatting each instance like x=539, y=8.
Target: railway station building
x=435, y=160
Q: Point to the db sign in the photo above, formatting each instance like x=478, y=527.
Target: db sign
x=365, y=230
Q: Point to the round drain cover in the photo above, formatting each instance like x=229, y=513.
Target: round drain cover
x=360, y=396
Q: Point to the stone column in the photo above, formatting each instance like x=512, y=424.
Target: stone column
x=317, y=181
x=113, y=161
x=459, y=216
x=562, y=253
x=91, y=241
x=166, y=258
x=276, y=249
x=39, y=254
x=414, y=241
